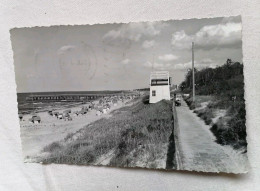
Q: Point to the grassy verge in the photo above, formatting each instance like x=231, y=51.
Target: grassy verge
x=137, y=135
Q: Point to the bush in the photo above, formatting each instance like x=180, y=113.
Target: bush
x=231, y=130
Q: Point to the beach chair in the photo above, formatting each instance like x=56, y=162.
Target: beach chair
x=20, y=117
x=67, y=111
x=60, y=116
x=35, y=119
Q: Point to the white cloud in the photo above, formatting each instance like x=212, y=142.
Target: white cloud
x=182, y=66
x=148, y=44
x=210, y=36
x=168, y=57
x=64, y=49
x=125, y=61
x=180, y=40
x=148, y=64
x=205, y=63
x=158, y=66
x=227, y=34
x=133, y=32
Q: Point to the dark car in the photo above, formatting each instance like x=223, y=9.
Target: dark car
x=177, y=100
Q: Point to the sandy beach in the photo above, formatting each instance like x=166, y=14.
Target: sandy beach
x=36, y=136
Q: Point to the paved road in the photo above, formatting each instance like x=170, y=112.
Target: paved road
x=198, y=149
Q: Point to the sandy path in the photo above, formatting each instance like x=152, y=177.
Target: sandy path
x=36, y=136
x=199, y=151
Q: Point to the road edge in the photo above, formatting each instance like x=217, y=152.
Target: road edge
x=178, y=157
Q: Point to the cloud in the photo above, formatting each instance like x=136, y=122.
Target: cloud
x=155, y=65
x=132, y=32
x=182, y=66
x=180, y=40
x=125, y=61
x=235, y=19
x=205, y=63
x=64, y=49
x=209, y=37
x=168, y=57
x=148, y=44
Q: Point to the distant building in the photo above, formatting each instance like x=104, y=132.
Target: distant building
x=160, y=83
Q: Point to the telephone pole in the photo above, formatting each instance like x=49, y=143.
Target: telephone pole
x=193, y=75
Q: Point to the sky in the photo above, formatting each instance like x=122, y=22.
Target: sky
x=119, y=56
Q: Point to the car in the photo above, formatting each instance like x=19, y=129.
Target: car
x=177, y=103
x=177, y=100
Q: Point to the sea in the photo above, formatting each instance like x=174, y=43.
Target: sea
x=28, y=106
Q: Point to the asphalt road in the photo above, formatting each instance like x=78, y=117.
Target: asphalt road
x=198, y=150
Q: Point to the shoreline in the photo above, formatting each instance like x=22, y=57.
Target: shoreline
x=36, y=136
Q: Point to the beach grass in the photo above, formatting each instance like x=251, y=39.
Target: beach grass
x=135, y=135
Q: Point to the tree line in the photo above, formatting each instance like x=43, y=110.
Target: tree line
x=226, y=84
x=225, y=80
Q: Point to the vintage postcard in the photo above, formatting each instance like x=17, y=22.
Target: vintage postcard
x=161, y=95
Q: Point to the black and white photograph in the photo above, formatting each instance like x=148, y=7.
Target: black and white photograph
x=158, y=95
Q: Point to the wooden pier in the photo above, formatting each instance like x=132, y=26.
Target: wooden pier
x=73, y=97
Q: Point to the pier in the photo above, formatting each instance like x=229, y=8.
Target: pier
x=75, y=97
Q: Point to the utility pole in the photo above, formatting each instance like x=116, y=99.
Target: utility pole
x=193, y=75
x=153, y=61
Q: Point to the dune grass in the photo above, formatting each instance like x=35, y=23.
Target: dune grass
x=138, y=135
x=229, y=129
